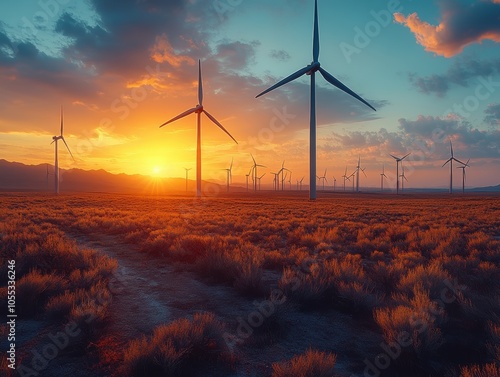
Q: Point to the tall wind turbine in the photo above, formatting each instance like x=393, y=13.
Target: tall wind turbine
x=463, y=167
x=187, y=176
x=382, y=176
x=229, y=175
x=254, y=177
x=56, y=165
x=198, y=110
x=398, y=160
x=311, y=70
x=450, y=160
x=259, y=178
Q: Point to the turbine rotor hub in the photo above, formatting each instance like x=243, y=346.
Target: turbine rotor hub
x=314, y=67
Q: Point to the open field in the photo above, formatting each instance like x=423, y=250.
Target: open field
x=264, y=285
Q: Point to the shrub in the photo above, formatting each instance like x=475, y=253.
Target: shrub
x=181, y=348
x=310, y=364
x=34, y=289
x=488, y=370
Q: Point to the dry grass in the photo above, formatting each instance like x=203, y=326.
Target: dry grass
x=182, y=348
x=488, y=370
x=381, y=255
x=310, y=364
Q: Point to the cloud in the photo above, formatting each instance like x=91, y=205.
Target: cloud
x=460, y=25
x=236, y=55
x=460, y=73
x=493, y=114
x=281, y=55
x=426, y=137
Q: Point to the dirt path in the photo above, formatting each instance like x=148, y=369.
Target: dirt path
x=148, y=292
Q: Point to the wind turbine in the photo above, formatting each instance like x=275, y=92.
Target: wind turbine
x=187, y=176
x=463, y=174
x=353, y=182
x=311, y=70
x=290, y=180
x=198, y=110
x=323, y=178
x=398, y=160
x=358, y=168
x=450, y=160
x=259, y=178
x=229, y=174
x=283, y=177
x=403, y=178
x=346, y=178
x=301, y=183
x=255, y=166
x=334, y=183
x=275, y=181
x=382, y=175
x=248, y=175
x=56, y=165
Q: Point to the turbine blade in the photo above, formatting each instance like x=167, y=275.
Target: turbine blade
x=446, y=162
x=394, y=157
x=316, y=33
x=64, y=141
x=332, y=80
x=451, y=148
x=185, y=113
x=219, y=125
x=200, y=85
x=458, y=161
x=286, y=80
x=231, y=166
x=467, y=163
x=62, y=122
x=406, y=156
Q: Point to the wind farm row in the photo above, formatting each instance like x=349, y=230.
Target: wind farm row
x=282, y=178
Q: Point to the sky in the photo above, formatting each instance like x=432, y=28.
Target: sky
x=121, y=69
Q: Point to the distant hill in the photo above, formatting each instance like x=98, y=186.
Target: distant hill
x=16, y=176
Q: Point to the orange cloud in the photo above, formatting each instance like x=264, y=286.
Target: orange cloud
x=460, y=26
x=163, y=51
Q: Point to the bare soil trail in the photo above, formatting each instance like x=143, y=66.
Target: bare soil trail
x=148, y=292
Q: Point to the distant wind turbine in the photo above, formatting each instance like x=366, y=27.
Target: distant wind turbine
x=301, y=183
x=382, y=176
x=187, y=177
x=450, y=160
x=259, y=179
x=56, y=166
x=254, y=177
x=398, y=160
x=311, y=70
x=275, y=181
x=334, y=183
x=248, y=175
x=403, y=178
x=346, y=178
x=358, y=169
x=323, y=178
x=198, y=110
x=48, y=176
x=229, y=175
x=463, y=167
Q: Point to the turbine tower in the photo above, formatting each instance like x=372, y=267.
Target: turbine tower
x=334, y=183
x=187, y=176
x=248, y=175
x=464, y=174
x=198, y=110
x=229, y=174
x=450, y=160
x=398, y=160
x=323, y=178
x=346, y=178
x=311, y=70
x=382, y=176
x=56, y=165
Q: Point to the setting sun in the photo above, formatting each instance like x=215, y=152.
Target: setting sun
x=156, y=171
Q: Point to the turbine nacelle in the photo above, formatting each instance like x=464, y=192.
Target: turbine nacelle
x=313, y=67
